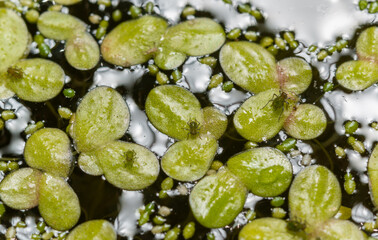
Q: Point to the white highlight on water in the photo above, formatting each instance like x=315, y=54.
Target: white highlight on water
x=318, y=21
x=126, y=222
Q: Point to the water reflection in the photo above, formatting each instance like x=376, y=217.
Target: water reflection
x=126, y=222
x=315, y=21
x=15, y=127
x=228, y=102
x=360, y=106
x=197, y=75
x=361, y=214
x=224, y=13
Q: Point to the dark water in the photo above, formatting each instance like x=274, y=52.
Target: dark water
x=99, y=199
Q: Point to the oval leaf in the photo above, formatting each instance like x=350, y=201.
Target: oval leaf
x=58, y=204
x=67, y=2
x=134, y=41
x=373, y=175
x=215, y=122
x=5, y=91
x=20, y=189
x=101, y=117
x=49, y=150
x=59, y=26
x=367, y=44
x=295, y=75
x=217, y=199
x=14, y=38
x=306, y=122
x=36, y=79
x=315, y=195
x=82, y=51
x=265, y=171
x=127, y=165
x=170, y=108
x=195, y=37
x=167, y=59
x=94, y=229
x=88, y=163
x=357, y=75
x=189, y=160
x=334, y=229
x=262, y=116
x=266, y=228
x=249, y=65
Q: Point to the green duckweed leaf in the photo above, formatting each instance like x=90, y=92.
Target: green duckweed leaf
x=59, y=26
x=357, y=75
x=94, y=230
x=265, y=171
x=306, y=122
x=249, y=65
x=295, y=75
x=102, y=116
x=127, y=165
x=82, y=51
x=189, y=160
x=58, y=203
x=36, y=80
x=168, y=59
x=217, y=199
x=49, y=150
x=367, y=44
x=266, y=229
x=314, y=195
x=170, y=108
x=373, y=175
x=67, y=2
x=134, y=41
x=195, y=37
x=14, y=38
x=335, y=229
x=5, y=91
x=20, y=189
x=215, y=122
x=88, y=163
x=259, y=118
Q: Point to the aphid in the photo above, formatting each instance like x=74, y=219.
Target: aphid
x=15, y=72
x=194, y=127
x=129, y=156
x=279, y=102
x=296, y=225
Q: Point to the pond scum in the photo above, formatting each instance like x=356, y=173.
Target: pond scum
x=119, y=123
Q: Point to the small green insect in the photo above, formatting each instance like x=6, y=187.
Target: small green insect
x=279, y=102
x=15, y=72
x=296, y=225
x=129, y=156
x=194, y=127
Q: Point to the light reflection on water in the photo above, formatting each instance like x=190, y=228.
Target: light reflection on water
x=361, y=214
x=196, y=75
x=359, y=106
x=222, y=12
x=15, y=127
x=318, y=21
x=228, y=102
x=125, y=224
